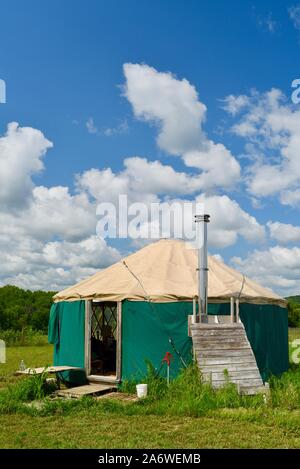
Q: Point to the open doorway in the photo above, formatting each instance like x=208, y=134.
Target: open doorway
x=103, y=339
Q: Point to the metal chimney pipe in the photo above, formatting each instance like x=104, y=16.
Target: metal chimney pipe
x=202, y=221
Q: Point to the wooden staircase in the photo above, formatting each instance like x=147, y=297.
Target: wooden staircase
x=224, y=355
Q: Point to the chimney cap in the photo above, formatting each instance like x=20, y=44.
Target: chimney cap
x=204, y=217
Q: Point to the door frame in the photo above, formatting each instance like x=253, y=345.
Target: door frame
x=87, y=347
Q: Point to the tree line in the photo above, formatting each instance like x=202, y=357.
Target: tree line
x=20, y=309
x=294, y=311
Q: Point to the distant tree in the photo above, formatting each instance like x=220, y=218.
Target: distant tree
x=293, y=314
x=24, y=308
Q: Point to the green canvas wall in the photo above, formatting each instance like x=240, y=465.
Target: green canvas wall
x=67, y=332
x=267, y=330
x=146, y=329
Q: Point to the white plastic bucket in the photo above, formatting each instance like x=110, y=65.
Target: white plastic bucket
x=141, y=390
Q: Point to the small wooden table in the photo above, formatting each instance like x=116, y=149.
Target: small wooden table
x=50, y=369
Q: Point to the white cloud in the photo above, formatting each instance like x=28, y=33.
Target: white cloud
x=294, y=14
x=229, y=221
x=290, y=197
x=102, y=184
x=174, y=107
x=267, y=23
x=144, y=181
x=138, y=178
x=21, y=153
x=277, y=268
x=92, y=252
x=234, y=104
x=284, y=232
x=47, y=235
x=272, y=126
x=90, y=125
x=32, y=263
x=55, y=212
x=219, y=168
x=121, y=128
x=49, y=278
x=173, y=104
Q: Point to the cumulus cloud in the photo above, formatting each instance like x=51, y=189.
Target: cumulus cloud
x=272, y=126
x=21, y=156
x=31, y=262
x=234, y=104
x=290, y=197
x=145, y=181
x=229, y=221
x=47, y=235
x=284, y=232
x=138, y=178
x=277, y=268
x=174, y=107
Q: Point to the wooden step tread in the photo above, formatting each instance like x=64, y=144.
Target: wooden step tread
x=225, y=361
x=221, y=347
x=85, y=390
x=223, y=353
x=231, y=375
x=217, y=326
x=240, y=382
x=220, y=368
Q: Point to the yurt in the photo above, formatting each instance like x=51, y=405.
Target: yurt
x=132, y=313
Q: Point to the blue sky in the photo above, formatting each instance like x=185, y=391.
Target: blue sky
x=62, y=62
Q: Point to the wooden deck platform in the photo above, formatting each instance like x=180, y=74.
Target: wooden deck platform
x=85, y=390
x=120, y=396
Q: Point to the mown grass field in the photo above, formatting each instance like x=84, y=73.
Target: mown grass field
x=183, y=417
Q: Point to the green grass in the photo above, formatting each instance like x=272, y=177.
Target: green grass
x=187, y=414
x=86, y=430
x=33, y=357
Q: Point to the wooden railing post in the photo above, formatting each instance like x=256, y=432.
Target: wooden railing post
x=232, y=309
x=237, y=309
x=194, y=311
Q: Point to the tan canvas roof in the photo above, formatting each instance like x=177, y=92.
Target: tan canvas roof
x=165, y=271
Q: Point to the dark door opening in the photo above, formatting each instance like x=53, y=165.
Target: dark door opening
x=104, y=339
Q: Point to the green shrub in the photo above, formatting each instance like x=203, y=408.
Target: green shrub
x=285, y=390
x=27, y=336
x=27, y=389
x=188, y=395
x=294, y=317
